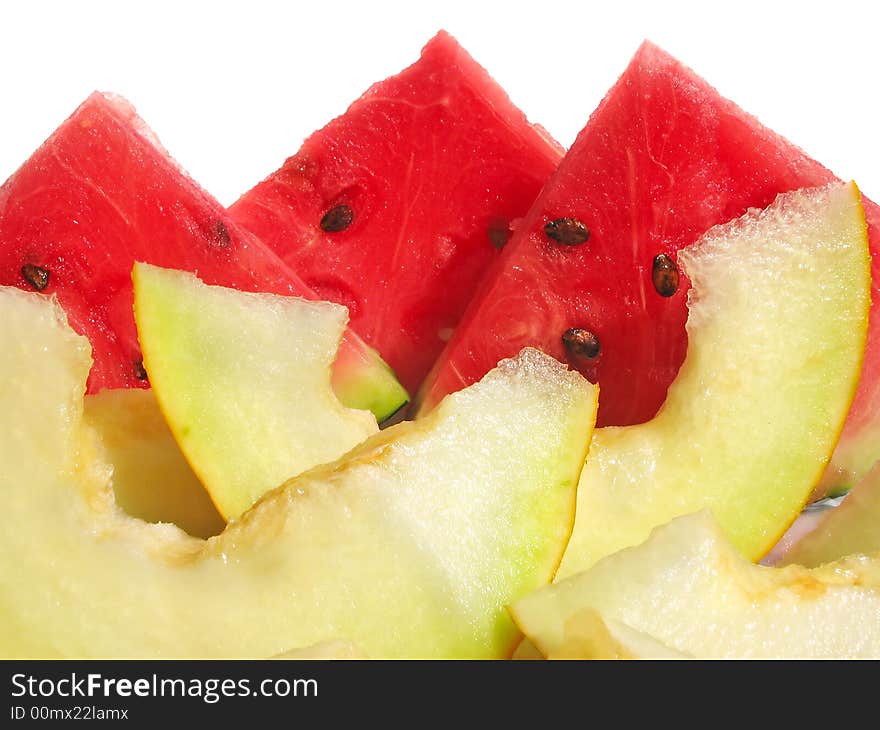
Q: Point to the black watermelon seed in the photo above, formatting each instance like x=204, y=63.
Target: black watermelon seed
x=139, y=371
x=36, y=276
x=221, y=235
x=664, y=274
x=338, y=218
x=568, y=231
x=581, y=343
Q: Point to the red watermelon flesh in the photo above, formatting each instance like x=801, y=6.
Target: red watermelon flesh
x=662, y=159
x=100, y=194
x=416, y=185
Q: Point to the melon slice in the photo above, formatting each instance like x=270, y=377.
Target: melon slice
x=396, y=208
x=100, y=194
x=689, y=588
x=587, y=635
x=776, y=332
x=244, y=382
x=662, y=159
x=413, y=546
x=852, y=527
x=151, y=478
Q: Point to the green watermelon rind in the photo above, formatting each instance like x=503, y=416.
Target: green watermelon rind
x=372, y=388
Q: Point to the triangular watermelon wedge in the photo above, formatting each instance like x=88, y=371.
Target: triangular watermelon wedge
x=397, y=207
x=662, y=159
x=100, y=194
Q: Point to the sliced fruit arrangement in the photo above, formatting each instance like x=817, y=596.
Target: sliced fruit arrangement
x=690, y=589
x=151, y=478
x=852, y=527
x=244, y=381
x=411, y=546
x=591, y=274
x=714, y=280
x=753, y=416
x=99, y=195
x=396, y=208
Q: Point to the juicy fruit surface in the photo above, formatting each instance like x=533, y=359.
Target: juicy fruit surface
x=244, y=381
x=416, y=180
x=151, y=478
x=688, y=587
x=852, y=527
x=99, y=195
x=751, y=442
x=662, y=159
x=378, y=550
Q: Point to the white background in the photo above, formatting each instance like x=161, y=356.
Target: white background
x=233, y=88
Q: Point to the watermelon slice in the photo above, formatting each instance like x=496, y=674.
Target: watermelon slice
x=590, y=273
x=397, y=207
x=100, y=194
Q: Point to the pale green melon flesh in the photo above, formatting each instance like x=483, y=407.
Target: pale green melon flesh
x=852, y=527
x=689, y=588
x=244, y=382
x=776, y=331
x=151, y=478
x=412, y=547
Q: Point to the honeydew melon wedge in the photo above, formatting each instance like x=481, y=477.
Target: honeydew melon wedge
x=151, y=478
x=412, y=546
x=776, y=336
x=243, y=380
x=689, y=588
x=851, y=527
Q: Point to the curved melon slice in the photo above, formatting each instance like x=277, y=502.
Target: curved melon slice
x=151, y=478
x=852, y=527
x=776, y=333
x=412, y=546
x=244, y=382
x=689, y=588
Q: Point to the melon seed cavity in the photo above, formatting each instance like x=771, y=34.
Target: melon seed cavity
x=338, y=218
x=36, y=276
x=581, y=343
x=664, y=274
x=568, y=231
